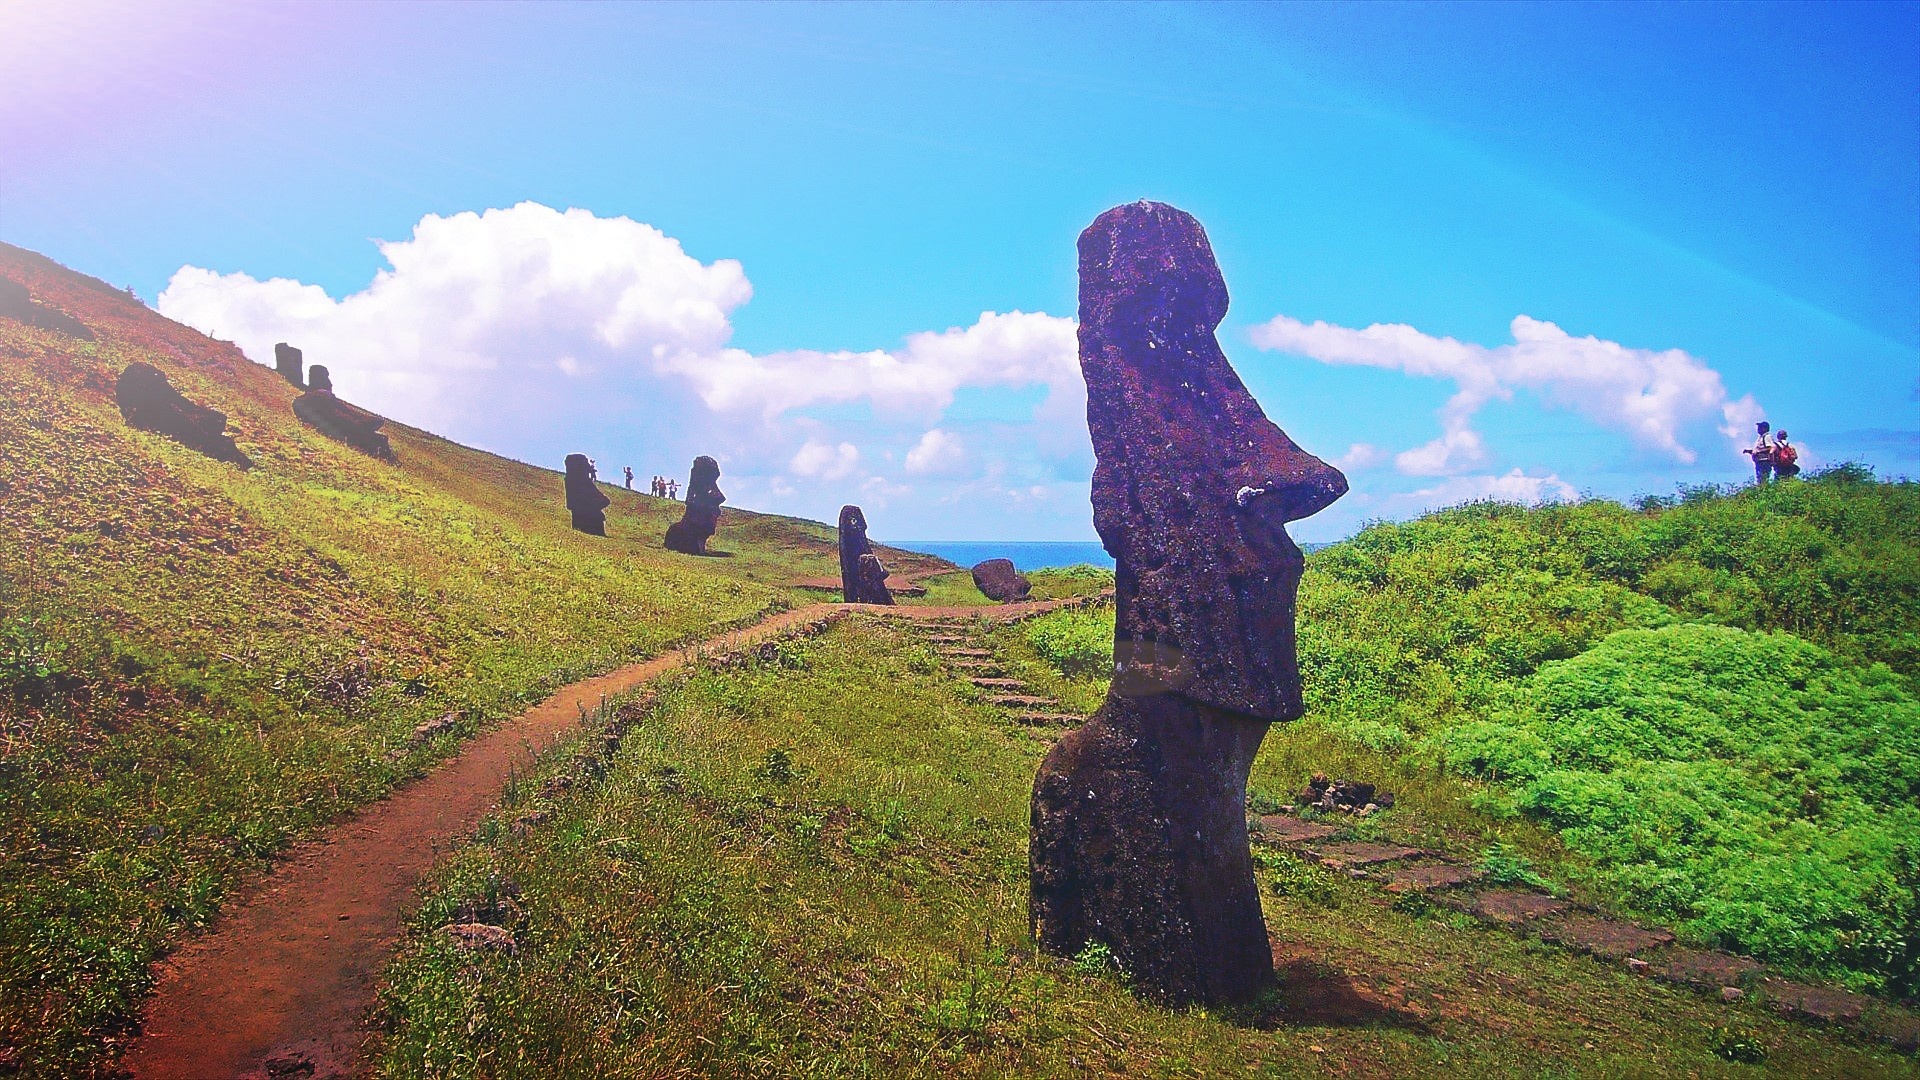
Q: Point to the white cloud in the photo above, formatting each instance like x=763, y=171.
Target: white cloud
x=1361, y=456
x=824, y=462
x=937, y=452
x=1654, y=396
x=1514, y=487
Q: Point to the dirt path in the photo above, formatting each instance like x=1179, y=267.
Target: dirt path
x=281, y=987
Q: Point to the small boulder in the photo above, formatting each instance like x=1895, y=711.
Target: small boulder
x=998, y=579
x=147, y=401
x=482, y=937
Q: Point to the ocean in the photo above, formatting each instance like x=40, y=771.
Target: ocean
x=1026, y=554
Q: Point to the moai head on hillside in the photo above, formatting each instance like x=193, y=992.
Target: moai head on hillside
x=704, y=481
x=289, y=362
x=853, y=522
x=319, y=380
x=585, y=501
x=1193, y=485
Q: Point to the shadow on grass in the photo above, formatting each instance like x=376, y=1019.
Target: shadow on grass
x=1309, y=993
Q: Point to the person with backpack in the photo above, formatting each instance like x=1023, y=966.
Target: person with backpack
x=1786, y=457
x=1762, y=454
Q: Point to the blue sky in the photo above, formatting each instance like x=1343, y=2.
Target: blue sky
x=1725, y=199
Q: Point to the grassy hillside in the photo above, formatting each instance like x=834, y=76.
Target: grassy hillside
x=1701, y=711
x=814, y=864
x=198, y=663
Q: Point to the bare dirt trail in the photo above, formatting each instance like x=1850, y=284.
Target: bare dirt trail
x=281, y=986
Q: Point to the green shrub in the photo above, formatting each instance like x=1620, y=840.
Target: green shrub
x=1077, y=643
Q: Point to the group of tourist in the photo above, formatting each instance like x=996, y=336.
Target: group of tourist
x=1773, y=456
x=660, y=488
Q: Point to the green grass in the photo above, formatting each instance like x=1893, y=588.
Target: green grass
x=816, y=866
x=198, y=665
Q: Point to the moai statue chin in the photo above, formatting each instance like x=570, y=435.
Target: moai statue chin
x=1139, y=837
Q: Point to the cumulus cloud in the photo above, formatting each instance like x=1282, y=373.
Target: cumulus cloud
x=824, y=462
x=1361, y=456
x=1514, y=487
x=1653, y=396
x=938, y=451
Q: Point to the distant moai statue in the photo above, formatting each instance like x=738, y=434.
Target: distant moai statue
x=149, y=402
x=857, y=583
x=702, y=514
x=318, y=379
x=585, y=501
x=1139, y=832
x=289, y=362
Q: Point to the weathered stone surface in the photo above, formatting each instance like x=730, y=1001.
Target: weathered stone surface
x=702, y=514
x=290, y=363
x=481, y=937
x=1286, y=829
x=1363, y=853
x=1608, y=939
x=345, y=423
x=585, y=501
x=1703, y=969
x=999, y=581
x=860, y=582
x=1432, y=876
x=1823, y=1003
x=1139, y=837
x=1512, y=907
x=16, y=303
x=147, y=401
x=318, y=378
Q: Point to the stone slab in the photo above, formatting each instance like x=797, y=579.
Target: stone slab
x=1608, y=939
x=1287, y=829
x=1893, y=1025
x=1363, y=853
x=1020, y=701
x=1432, y=876
x=1047, y=719
x=987, y=683
x=1514, y=907
x=1704, y=969
x=1821, y=1003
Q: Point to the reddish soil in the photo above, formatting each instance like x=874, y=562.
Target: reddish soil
x=282, y=985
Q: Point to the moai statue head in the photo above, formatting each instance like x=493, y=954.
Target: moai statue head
x=288, y=361
x=1193, y=485
x=318, y=380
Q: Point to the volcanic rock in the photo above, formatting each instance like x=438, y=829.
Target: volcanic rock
x=702, y=514
x=1344, y=796
x=585, y=501
x=289, y=362
x=857, y=582
x=16, y=303
x=1139, y=831
x=147, y=401
x=1001, y=582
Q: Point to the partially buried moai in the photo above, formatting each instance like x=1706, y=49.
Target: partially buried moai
x=863, y=578
x=1139, y=835
x=585, y=501
x=702, y=514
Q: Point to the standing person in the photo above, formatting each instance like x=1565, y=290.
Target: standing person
x=1762, y=453
x=659, y=486
x=628, y=469
x=1786, y=457
x=673, y=489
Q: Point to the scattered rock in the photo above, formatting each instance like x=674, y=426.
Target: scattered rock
x=1001, y=582
x=290, y=363
x=436, y=726
x=1511, y=907
x=585, y=501
x=17, y=304
x=482, y=937
x=1608, y=939
x=702, y=514
x=288, y=1065
x=1638, y=966
x=1731, y=994
x=1342, y=796
x=1139, y=838
x=1822, y=1003
x=147, y=401
x=863, y=579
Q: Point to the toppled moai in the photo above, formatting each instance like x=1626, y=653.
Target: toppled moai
x=702, y=514
x=289, y=362
x=17, y=304
x=147, y=401
x=1139, y=835
x=859, y=582
x=1000, y=582
x=322, y=410
x=585, y=501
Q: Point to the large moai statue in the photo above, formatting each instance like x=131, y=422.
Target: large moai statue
x=858, y=581
x=149, y=402
x=290, y=363
x=1139, y=835
x=702, y=514
x=585, y=501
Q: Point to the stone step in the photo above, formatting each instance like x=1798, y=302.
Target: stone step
x=969, y=654
x=1287, y=829
x=1431, y=877
x=987, y=683
x=1047, y=719
x=1608, y=939
x=1021, y=701
x=1359, y=853
x=1512, y=907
